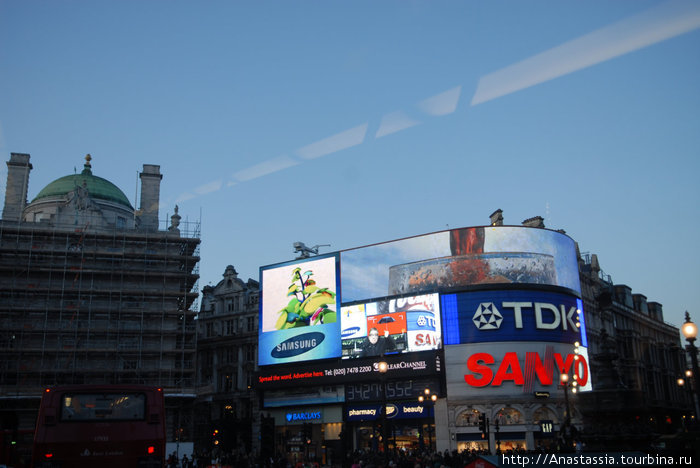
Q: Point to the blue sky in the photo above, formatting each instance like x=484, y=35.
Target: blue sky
x=351, y=123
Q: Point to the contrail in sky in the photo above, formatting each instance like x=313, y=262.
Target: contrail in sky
x=664, y=21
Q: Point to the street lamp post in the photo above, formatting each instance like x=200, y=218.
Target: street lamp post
x=382, y=367
x=431, y=399
x=690, y=332
x=566, y=428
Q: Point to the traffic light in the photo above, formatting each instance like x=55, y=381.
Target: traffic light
x=483, y=426
x=215, y=437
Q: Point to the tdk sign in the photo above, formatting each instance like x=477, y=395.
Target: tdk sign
x=547, y=316
x=512, y=315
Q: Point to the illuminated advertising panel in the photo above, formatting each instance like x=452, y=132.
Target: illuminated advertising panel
x=391, y=326
x=400, y=366
x=298, y=311
x=512, y=315
x=460, y=257
x=399, y=410
x=514, y=368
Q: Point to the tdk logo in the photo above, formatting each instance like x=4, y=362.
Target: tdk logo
x=487, y=317
x=547, y=316
x=297, y=345
x=422, y=321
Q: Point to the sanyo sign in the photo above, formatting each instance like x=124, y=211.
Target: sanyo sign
x=481, y=369
x=514, y=368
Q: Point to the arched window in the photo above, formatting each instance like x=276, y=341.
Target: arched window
x=509, y=416
x=544, y=414
x=468, y=417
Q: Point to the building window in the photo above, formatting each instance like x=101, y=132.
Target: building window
x=251, y=324
x=121, y=222
x=508, y=416
x=210, y=330
x=226, y=383
x=544, y=414
x=230, y=327
x=250, y=352
x=467, y=418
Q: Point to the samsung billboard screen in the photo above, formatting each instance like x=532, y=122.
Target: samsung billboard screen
x=299, y=311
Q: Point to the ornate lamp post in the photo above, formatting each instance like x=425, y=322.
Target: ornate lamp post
x=690, y=332
x=382, y=367
x=566, y=428
x=431, y=399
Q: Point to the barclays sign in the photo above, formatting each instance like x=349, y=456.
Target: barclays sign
x=303, y=416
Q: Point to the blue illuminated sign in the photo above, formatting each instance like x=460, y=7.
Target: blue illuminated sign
x=303, y=416
x=512, y=315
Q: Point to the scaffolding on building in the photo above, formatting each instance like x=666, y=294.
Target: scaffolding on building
x=81, y=305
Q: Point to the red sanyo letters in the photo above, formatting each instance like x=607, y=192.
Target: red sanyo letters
x=509, y=369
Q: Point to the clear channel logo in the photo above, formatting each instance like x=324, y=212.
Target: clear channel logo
x=487, y=317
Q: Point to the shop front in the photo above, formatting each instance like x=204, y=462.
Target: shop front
x=311, y=433
x=406, y=426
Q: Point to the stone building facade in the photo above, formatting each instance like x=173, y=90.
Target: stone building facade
x=636, y=361
x=227, y=330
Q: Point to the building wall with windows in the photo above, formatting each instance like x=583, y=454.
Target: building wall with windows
x=636, y=361
x=227, y=330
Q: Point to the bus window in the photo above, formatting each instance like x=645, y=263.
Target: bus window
x=95, y=407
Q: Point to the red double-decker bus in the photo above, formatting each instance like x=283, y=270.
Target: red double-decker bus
x=100, y=426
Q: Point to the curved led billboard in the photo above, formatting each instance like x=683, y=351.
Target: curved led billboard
x=460, y=257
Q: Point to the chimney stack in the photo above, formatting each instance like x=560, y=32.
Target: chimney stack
x=537, y=221
x=150, y=196
x=497, y=218
x=18, y=168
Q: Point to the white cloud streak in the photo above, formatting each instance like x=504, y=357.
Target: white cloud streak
x=337, y=142
x=443, y=103
x=657, y=24
x=208, y=188
x=265, y=168
x=395, y=122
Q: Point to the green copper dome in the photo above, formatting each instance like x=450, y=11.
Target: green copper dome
x=99, y=188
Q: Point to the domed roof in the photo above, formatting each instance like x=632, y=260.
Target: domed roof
x=99, y=188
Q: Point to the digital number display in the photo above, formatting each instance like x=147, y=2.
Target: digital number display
x=395, y=390
x=363, y=392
